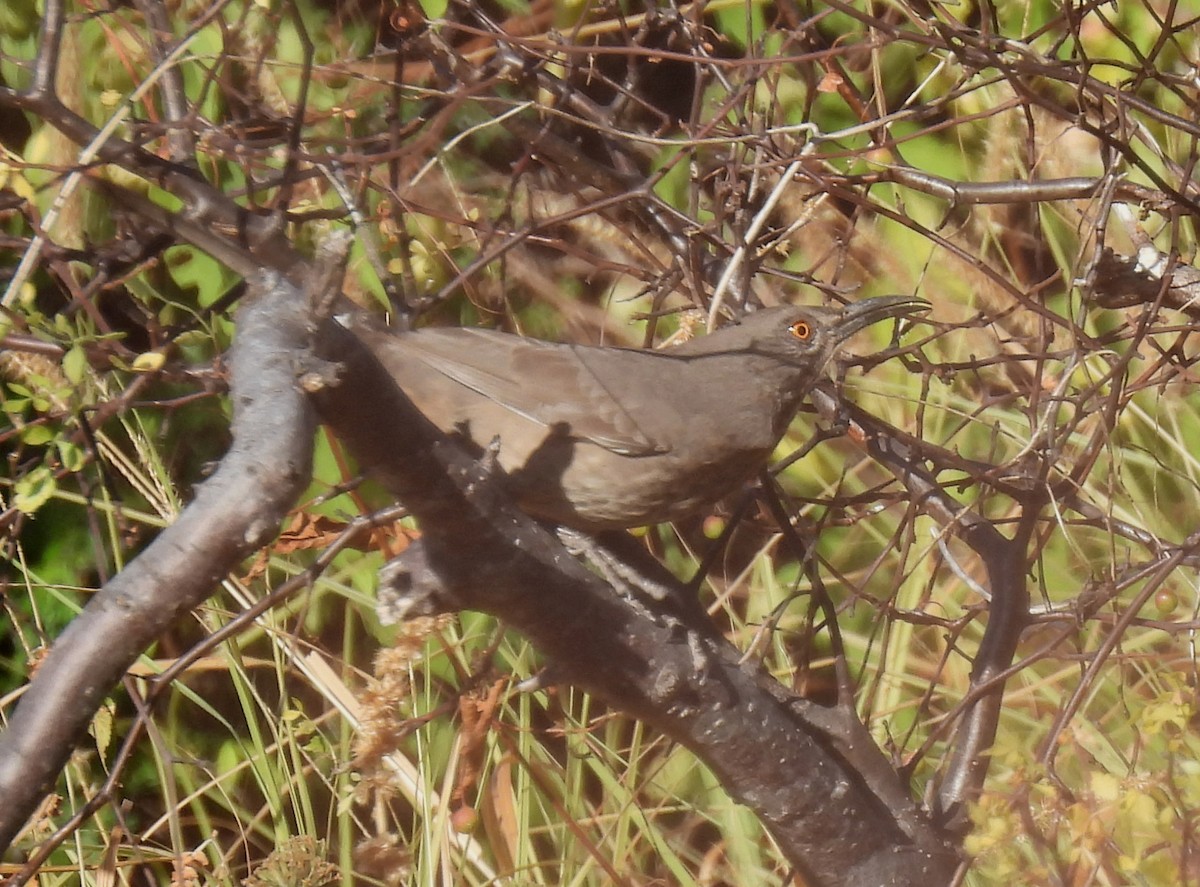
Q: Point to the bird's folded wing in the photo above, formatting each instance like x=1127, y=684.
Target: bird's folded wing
x=551, y=385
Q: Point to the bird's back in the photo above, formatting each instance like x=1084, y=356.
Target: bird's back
x=591, y=437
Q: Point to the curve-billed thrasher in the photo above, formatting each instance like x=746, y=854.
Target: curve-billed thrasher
x=606, y=438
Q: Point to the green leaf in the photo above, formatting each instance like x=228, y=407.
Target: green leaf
x=37, y=435
x=18, y=18
x=102, y=727
x=34, y=490
x=75, y=364
x=71, y=456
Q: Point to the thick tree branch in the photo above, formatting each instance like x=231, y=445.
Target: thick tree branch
x=1004, y=559
x=235, y=512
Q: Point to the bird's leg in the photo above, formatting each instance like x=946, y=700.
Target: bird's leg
x=637, y=584
x=620, y=575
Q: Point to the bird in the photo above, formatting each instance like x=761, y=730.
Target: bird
x=603, y=438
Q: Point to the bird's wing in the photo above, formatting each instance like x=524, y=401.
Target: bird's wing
x=548, y=384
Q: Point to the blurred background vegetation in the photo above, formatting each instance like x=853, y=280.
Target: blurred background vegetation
x=589, y=172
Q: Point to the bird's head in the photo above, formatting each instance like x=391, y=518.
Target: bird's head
x=810, y=337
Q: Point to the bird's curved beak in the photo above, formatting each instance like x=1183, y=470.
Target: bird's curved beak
x=865, y=312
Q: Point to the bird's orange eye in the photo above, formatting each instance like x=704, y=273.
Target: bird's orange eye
x=801, y=330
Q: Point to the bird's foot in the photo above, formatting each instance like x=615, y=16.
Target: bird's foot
x=662, y=599
x=621, y=575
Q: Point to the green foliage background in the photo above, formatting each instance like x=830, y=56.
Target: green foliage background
x=1094, y=776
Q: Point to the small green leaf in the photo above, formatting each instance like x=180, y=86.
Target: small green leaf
x=34, y=490
x=37, y=435
x=148, y=362
x=102, y=727
x=75, y=364
x=71, y=456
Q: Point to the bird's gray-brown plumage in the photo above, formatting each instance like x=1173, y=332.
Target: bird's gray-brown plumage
x=604, y=438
